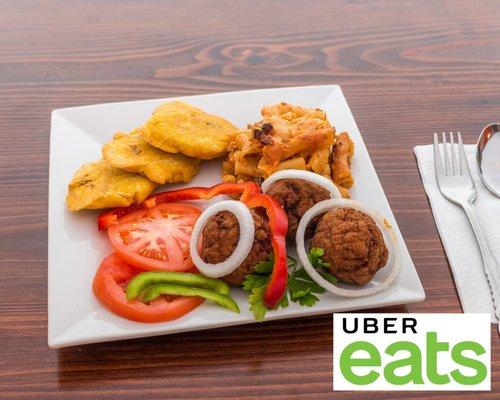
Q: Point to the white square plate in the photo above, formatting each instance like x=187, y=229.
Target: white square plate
x=76, y=247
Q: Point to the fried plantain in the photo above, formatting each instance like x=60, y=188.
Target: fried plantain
x=132, y=153
x=177, y=127
x=100, y=185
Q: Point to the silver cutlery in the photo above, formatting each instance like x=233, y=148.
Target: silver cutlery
x=456, y=185
x=488, y=159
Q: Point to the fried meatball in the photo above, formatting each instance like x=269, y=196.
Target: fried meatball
x=354, y=245
x=220, y=238
x=297, y=196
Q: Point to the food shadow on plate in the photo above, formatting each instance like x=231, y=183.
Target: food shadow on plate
x=86, y=221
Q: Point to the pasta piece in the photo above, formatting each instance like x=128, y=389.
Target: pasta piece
x=246, y=168
x=319, y=162
x=290, y=137
x=342, y=153
x=292, y=163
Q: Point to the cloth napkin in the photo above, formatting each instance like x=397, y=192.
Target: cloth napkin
x=456, y=234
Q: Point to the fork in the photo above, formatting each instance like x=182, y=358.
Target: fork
x=456, y=185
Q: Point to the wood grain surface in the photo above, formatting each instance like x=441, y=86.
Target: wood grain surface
x=407, y=68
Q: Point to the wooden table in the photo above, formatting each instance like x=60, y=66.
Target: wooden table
x=406, y=68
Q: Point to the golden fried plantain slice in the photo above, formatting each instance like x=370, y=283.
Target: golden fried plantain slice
x=99, y=185
x=178, y=127
x=132, y=153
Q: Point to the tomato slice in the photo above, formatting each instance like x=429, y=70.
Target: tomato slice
x=156, y=238
x=109, y=287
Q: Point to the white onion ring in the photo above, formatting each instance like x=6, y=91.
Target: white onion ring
x=304, y=175
x=247, y=232
x=390, y=240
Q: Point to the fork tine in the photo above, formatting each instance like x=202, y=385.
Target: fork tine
x=464, y=166
x=438, y=163
x=446, y=156
x=454, y=165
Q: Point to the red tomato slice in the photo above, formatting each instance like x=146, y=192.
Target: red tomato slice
x=156, y=238
x=109, y=282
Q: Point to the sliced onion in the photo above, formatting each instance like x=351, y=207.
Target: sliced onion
x=389, y=238
x=247, y=232
x=304, y=175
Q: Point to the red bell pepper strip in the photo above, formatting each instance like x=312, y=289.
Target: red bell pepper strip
x=278, y=221
x=245, y=190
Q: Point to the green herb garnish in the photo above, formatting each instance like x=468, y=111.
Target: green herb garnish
x=315, y=255
x=317, y=262
x=300, y=288
x=256, y=301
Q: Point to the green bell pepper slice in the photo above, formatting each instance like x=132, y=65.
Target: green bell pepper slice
x=180, y=290
x=144, y=280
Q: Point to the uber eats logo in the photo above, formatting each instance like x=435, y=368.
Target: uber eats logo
x=411, y=352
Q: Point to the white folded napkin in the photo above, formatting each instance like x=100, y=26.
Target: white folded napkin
x=456, y=234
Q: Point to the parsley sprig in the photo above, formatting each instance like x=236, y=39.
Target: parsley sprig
x=314, y=256
x=301, y=288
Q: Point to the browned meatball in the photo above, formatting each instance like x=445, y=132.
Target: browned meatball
x=220, y=238
x=353, y=244
x=296, y=196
